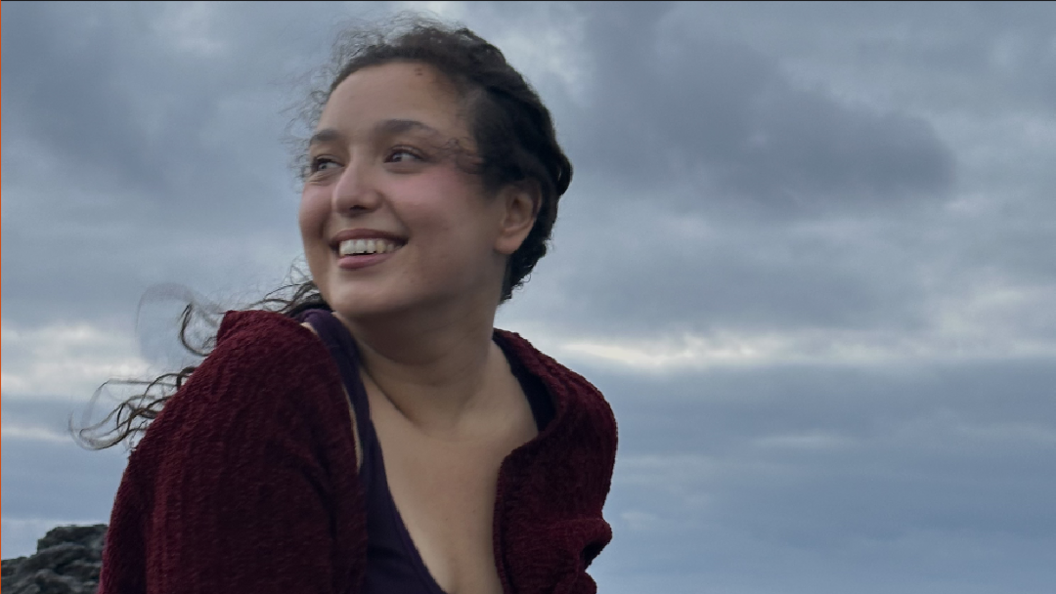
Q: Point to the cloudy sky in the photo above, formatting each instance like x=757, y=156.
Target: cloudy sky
x=808, y=255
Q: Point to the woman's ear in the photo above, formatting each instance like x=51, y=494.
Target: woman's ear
x=522, y=201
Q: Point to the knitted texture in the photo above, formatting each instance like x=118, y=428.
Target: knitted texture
x=246, y=481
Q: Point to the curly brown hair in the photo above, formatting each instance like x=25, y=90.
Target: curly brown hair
x=516, y=142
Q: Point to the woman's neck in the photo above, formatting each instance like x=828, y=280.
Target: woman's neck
x=436, y=368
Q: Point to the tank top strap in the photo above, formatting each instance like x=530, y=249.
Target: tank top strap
x=343, y=351
x=394, y=565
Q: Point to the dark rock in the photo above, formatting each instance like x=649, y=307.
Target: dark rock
x=67, y=561
x=55, y=557
x=11, y=565
x=88, y=536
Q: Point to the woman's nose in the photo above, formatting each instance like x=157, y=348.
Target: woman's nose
x=355, y=189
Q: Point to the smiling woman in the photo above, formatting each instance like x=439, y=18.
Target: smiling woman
x=374, y=432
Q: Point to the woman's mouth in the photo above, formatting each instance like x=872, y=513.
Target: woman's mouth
x=353, y=254
x=357, y=247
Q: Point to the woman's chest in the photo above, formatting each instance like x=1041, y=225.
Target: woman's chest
x=444, y=492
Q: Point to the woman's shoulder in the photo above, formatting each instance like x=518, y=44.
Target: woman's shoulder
x=256, y=349
x=259, y=347
x=578, y=402
x=264, y=329
x=551, y=372
x=265, y=367
x=255, y=448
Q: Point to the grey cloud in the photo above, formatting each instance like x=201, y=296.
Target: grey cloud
x=768, y=153
x=731, y=406
x=671, y=105
x=979, y=57
x=52, y=480
x=636, y=266
x=886, y=461
x=131, y=159
x=116, y=108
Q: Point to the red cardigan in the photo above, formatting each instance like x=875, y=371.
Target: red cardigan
x=246, y=481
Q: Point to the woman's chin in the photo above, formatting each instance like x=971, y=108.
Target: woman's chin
x=362, y=309
x=361, y=305
x=369, y=302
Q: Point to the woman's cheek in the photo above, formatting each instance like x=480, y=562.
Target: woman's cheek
x=312, y=212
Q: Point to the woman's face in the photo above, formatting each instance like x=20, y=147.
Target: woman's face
x=390, y=222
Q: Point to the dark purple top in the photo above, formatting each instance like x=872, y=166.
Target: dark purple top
x=393, y=563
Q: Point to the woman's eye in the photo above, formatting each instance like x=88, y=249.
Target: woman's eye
x=402, y=156
x=323, y=163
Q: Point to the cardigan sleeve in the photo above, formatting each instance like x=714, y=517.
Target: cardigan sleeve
x=554, y=489
x=246, y=480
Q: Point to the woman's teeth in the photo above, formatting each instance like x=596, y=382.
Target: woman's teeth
x=354, y=247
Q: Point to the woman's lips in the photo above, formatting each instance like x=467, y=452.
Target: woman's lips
x=358, y=261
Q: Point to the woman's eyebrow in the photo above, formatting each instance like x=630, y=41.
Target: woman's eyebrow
x=384, y=128
x=324, y=136
x=397, y=126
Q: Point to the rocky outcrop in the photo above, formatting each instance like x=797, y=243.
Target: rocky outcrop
x=67, y=561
